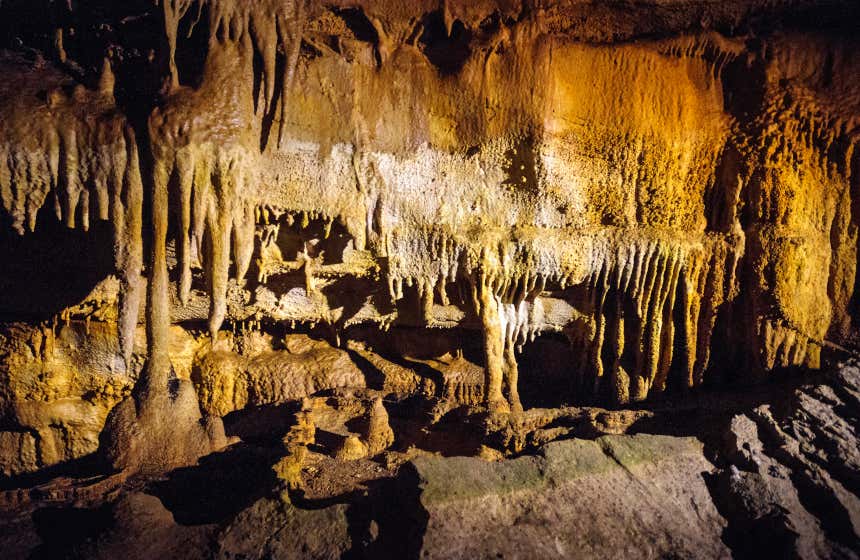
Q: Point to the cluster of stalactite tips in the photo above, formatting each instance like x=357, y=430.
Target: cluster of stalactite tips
x=673, y=209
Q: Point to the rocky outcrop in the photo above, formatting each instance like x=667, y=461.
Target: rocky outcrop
x=792, y=481
x=322, y=533
x=757, y=480
x=226, y=382
x=57, y=391
x=644, y=495
x=384, y=165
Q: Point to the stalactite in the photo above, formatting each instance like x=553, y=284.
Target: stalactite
x=128, y=225
x=185, y=166
x=80, y=152
x=158, y=303
x=244, y=227
x=290, y=23
x=214, y=165
x=173, y=12
x=227, y=182
x=633, y=294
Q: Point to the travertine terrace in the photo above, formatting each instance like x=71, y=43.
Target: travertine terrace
x=388, y=232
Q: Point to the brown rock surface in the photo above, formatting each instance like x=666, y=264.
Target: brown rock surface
x=641, y=496
x=638, y=196
x=443, y=278
x=743, y=493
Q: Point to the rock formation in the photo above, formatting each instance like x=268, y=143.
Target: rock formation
x=384, y=232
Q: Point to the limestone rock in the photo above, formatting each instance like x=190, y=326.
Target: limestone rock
x=58, y=387
x=141, y=527
x=274, y=529
x=226, y=381
x=378, y=435
x=351, y=449
x=18, y=453
x=296, y=442
x=643, y=495
x=459, y=227
x=160, y=432
x=792, y=483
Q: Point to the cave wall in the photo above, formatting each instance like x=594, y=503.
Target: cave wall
x=671, y=187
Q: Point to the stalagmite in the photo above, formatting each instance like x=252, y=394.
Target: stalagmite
x=378, y=435
x=665, y=210
x=494, y=345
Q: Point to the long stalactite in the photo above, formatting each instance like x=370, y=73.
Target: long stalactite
x=644, y=226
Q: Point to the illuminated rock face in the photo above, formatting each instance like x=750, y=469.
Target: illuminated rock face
x=679, y=209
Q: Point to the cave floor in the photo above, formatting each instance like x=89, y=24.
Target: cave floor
x=369, y=504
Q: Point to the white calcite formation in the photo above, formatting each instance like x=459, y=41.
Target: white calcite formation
x=674, y=206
